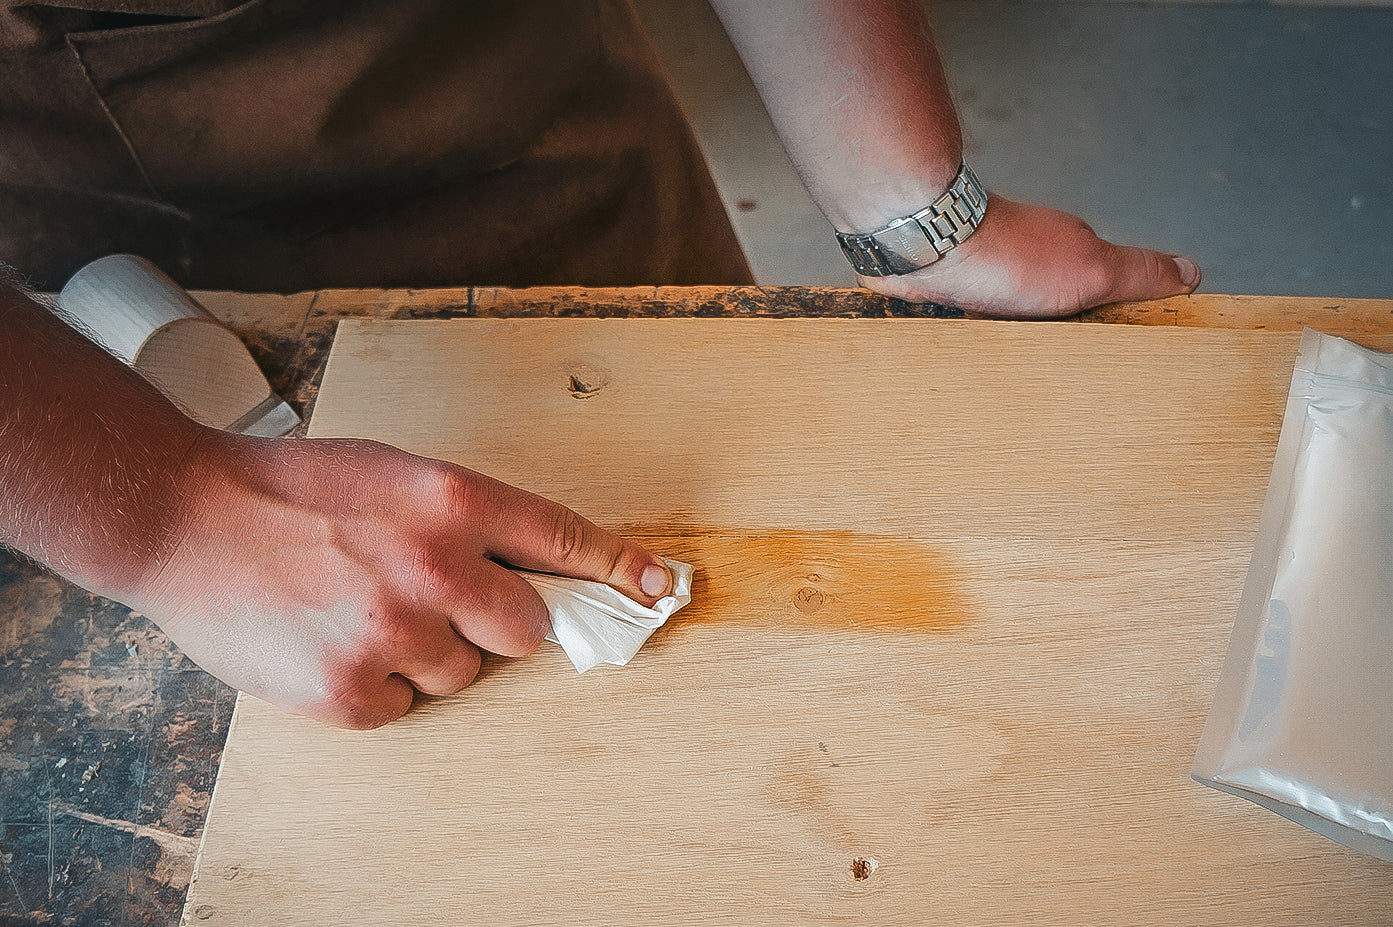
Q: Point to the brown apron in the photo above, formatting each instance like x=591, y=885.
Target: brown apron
x=284, y=145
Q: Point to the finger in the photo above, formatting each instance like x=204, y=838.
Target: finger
x=439, y=661
x=372, y=704
x=1140, y=273
x=538, y=534
x=498, y=611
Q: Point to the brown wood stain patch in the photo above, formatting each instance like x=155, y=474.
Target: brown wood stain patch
x=822, y=579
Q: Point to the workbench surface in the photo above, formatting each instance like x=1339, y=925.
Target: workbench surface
x=110, y=739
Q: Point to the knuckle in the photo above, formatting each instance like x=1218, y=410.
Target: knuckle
x=383, y=632
x=1092, y=283
x=455, y=490
x=463, y=672
x=514, y=629
x=353, y=700
x=1082, y=227
x=393, y=633
x=429, y=573
x=1154, y=266
x=568, y=537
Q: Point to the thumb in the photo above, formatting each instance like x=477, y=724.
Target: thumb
x=1140, y=273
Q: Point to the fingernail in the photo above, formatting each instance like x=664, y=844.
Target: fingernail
x=1189, y=271
x=653, y=581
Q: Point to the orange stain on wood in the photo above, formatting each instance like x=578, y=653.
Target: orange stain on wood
x=822, y=579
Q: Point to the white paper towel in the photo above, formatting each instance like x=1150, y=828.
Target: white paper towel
x=596, y=624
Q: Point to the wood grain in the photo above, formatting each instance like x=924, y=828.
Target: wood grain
x=290, y=335
x=1348, y=318
x=966, y=591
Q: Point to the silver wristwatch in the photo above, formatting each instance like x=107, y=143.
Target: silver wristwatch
x=916, y=241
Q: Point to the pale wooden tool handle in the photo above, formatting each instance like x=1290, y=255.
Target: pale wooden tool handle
x=124, y=300
x=137, y=313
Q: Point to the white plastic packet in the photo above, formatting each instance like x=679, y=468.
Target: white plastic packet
x=1302, y=720
x=596, y=624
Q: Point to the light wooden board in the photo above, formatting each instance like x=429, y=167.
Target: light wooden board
x=965, y=588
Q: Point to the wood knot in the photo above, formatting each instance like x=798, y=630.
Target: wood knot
x=862, y=867
x=808, y=600
x=586, y=381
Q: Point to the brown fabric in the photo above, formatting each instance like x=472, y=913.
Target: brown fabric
x=295, y=144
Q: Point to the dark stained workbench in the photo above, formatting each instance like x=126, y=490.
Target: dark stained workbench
x=110, y=739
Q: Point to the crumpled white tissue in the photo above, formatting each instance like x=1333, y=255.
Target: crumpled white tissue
x=596, y=624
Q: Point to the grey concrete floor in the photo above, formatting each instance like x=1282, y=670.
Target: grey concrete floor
x=1257, y=139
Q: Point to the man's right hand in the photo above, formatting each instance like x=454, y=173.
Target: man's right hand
x=331, y=577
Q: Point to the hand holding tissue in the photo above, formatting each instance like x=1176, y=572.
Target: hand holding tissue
x=596, y=624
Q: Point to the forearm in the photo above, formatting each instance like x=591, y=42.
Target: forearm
x=89, y=453
x=858, y=94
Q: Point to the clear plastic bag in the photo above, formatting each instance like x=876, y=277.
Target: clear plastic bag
x=1302, y=720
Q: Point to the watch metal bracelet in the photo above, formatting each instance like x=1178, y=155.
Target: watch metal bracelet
x=911, y=242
